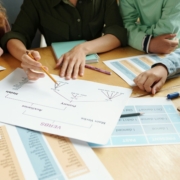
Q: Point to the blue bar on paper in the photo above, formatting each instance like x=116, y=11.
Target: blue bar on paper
x=154, y=119
x=159, y=129
x=124, y=70
x=128, y=140
x=127, y=130
x=175, y=118
x=128, y=120
x=169, y=109
x=140, y=63
x=155, y=58
x=150, y=109
x=177, y=126
x=128, y=109
x=163, y=139
x=39, y=155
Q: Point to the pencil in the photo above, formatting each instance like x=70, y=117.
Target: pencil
x=30, y=55
x=97, y=69
x=131, y=114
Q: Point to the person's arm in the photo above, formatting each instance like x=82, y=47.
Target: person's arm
x=74, y=60
x=153, y=79
x=139, y=35
x=130, y=16
x=114, y=35
x=25, y=25
x=4, y=25
x=19, y=51
x=20, y=37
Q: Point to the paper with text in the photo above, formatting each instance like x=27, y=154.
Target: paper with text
x=27, y=155
x=160, y=124
x=129, y=68
x=77, y=109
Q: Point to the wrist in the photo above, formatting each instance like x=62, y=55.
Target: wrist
x=161, y=66
x=146, y=43
x=83, y=47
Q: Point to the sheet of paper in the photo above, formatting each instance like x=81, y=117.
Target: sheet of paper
x=27, y=154
x=130, y=67
x=160, y=124
x=77, y=109
x=2, y=68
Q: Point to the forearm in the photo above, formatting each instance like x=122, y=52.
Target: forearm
x=16, y=48
x=102, y=44
x=171, y=62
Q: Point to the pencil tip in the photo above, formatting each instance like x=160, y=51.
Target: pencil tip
x=56, y=85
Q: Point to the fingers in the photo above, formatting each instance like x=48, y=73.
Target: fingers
x=71, y=66
x=139, y=81
x=157, y=86
x=29, y=63
x=31, y=66
x=153, y=79
x=169, y=36
x=33, y=75
x=59, y=62
x=36, y=55
x=81, y=69
x=64, y=68
x=174, y=43
x=144, y=82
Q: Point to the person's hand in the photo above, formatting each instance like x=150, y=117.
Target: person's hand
x=163, y=44
x=72, y=63
x=153, y=79
x=1, y=51
x=31, y=66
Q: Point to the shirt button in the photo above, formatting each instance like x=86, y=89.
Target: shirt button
x=78, y=20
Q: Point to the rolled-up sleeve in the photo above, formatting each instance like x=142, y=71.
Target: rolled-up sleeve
x=114, y=23
x=172, y=62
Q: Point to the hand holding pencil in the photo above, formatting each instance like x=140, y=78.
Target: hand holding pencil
x=33, y=68
x=42, y=68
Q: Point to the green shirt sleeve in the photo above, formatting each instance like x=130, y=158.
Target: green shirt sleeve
x=113, y=22
x=130, y=16
x=162, y=17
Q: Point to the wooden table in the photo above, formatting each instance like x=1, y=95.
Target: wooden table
x=124, y=163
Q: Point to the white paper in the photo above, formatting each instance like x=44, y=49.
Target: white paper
x=130, y=67
x=2, y=68
x=159, y=124
x=78, y=109
x=27, y=154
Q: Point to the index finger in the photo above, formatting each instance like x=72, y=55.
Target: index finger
x=35, y=54
x=26, y=59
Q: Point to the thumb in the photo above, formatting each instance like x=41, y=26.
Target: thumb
x=59, y=61
x=157, y=86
